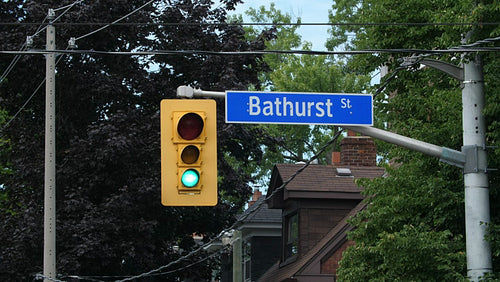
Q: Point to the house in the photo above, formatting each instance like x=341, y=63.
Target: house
x=255, y=240
x=315, y=206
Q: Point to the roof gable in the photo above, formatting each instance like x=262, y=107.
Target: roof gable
x=260, y=213
x=308, y=264
x=317, y=181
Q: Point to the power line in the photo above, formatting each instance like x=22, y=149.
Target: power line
x=156, y=272
x=241, y=219
x=116, y=21
x=96, y=278
x=40, y=276
x=17, y=57
x=26, y=103
x=40, y=29
x=248, y=24
x=70, y=5
x=258, y=52
x=67, y=7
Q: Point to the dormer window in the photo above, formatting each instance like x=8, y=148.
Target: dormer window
x=291, y=240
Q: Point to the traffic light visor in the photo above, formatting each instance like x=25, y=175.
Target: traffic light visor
x=190, y=126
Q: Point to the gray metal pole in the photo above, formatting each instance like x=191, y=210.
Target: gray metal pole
x=444, y=154
x=237, y=254
x=477, y=205
x=49, y=246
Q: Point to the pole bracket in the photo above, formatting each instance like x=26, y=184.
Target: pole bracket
x=453, y=157
x=474, y=158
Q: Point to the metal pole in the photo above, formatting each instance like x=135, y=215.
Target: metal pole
x=444, y=154
x=410, y=143
x=237, y=254
x=184, y=91
x=49, y=246
x=477, y=205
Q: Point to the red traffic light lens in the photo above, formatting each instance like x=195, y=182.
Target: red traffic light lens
x=190, y=154
x=190, y=126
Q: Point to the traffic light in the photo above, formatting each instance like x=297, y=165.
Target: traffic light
x=188, y=152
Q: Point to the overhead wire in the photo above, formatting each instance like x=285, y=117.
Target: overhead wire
x=53, y=22
x=116, y=21
x=26, y=103
x=155, y=272
x=275, y=191
x=98, y=278
x=464, y=48
x=40, y=276
x=16, y=59
x=260, y=52
x=241, y=219
x=249, y=24
x=68, y=6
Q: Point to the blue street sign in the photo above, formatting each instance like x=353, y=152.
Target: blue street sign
x=299, y=108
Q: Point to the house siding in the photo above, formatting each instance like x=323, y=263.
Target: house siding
x=330, y=265
x=265, y=252
x=324, y=198
x=314, y=223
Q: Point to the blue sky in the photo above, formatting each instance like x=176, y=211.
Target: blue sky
x=310, y=11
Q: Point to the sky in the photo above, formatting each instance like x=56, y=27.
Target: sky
x=310, y=11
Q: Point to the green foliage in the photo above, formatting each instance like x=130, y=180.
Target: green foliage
x=4, y=150
x=109, y=217
x=321, y=74
x=4, y=144
x=406, y=233
x=294, y=73
x=285, y=37
x=431, y=256
x=420, y=201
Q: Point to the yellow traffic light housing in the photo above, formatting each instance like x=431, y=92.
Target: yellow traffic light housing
x=188, y=152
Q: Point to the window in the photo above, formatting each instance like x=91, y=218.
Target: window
x=291, y=240
x=247, y=252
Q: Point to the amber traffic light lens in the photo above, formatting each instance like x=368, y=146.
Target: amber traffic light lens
x=190, y=154
x=190, y=126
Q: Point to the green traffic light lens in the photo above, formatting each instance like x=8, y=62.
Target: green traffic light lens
x=190, y=178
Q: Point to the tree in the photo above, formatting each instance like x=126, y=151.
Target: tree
x=4, y=149
x=298, y=73
x=110, y=220
x=413, y=228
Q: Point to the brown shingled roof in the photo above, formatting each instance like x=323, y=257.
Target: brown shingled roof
x=318, y=181
x=334, y=238
x=324, y=177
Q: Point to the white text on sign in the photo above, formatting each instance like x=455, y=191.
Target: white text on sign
x=283, y=107
x=299, y=108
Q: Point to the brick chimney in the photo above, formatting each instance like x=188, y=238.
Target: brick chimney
x=356, y=151
x=256, y=195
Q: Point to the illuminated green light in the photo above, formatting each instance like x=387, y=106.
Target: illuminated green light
x=190, y=178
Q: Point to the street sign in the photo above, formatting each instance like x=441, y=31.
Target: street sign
x=299, y=108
